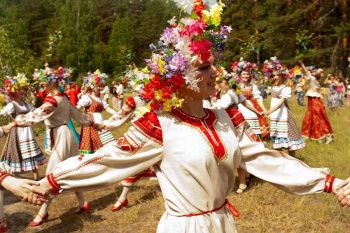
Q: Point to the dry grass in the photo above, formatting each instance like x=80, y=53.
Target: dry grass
x=263, y=207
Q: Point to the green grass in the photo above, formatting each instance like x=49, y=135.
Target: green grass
x=263, y=207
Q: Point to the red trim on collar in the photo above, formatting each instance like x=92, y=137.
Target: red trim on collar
x=206, y=126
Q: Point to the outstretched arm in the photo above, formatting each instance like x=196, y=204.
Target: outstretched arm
x=137, y=150
x=278, y=168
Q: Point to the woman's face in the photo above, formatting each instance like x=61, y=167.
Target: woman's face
x=96, y=90
x=245, y=76
x=207, y=76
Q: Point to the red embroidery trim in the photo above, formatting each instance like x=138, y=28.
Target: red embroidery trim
x=236, y=117
x=146, y=173
x=3, y=175
x=55, y=186
x=149, y=125
x=207, y=128
x=51, y=100
x=124, y=144
x=328, y=185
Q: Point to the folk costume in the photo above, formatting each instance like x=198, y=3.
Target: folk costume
x=208, y=153
x=21, y=152
x=55, y=112
x=91, y=138
x=316, y=124
x=284, y=132
x=195, y=158
x=251, y=92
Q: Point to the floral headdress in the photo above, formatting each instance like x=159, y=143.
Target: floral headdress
x=184, y=44
x=49, y=75
x=296, y=71
x=239, y=66
x=94, y=79
x=13, y=84
x=271, y=66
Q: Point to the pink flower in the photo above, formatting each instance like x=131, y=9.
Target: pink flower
x=194, y=29
x=202, y=48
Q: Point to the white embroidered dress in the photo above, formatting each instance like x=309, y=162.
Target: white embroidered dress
x=283, y=129
x=251, y=91
x=55, y=112
x=196, y=160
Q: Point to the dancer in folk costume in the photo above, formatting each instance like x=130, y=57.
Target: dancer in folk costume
x=126, y=113
x=91, y=138
x=21, y=152
x=19, y=187
x=55, y=112
x=229, y=101
x=316, y=124
x=258, y=122
x=195, y=150
x=283, y=128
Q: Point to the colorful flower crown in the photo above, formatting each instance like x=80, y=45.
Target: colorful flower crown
x=183, y=45
x=271, y=66
x=238, y=67
x=49, y=75
x=13, y=84
x=95, y=79
x=296, y=71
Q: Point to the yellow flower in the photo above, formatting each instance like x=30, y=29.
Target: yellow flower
x=158, y=95
x=167, y=105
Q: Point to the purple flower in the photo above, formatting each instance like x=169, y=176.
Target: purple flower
x=178, y=63
x=168, y=36
x=152, y=47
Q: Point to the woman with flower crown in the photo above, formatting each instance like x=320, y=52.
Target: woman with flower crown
x=257, y=121
x=195, y=150
x=284, y=132
x=55, y=112
x=21, y=152
x=92, y=139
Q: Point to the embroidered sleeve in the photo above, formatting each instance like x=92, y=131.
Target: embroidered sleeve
x=134, y=152
x=39, y=114
x=8, y=110
x=149, y=125
x=278, y=168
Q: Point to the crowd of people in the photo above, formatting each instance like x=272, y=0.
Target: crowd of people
x=191, y=125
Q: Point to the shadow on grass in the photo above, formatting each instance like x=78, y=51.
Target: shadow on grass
x=18, y=221
x=71, y=222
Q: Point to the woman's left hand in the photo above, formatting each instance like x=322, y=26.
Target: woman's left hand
x=343, y=192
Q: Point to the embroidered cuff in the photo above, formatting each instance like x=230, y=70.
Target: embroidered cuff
x=328, y=186
x=3, y=175
x=55, y=186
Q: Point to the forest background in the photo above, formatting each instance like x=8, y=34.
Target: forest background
x=110, y=34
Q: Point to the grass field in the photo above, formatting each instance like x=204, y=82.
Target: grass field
x=263, y=207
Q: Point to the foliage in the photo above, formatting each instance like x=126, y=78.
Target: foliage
x=109, y=34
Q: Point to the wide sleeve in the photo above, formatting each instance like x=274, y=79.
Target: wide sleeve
x=138, y=149
x=225, y=101
x=8, y=110
x=84, y=101
x=81, y=118
x=39, y=114
x=256, y=93
x=286, y=93
x=283, y=171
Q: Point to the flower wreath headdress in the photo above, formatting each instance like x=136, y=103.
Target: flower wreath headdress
x=274, y=67
x=238, y=67
x=13, y=84
x=95, y=79
x=48, y=75
x=183, y=44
